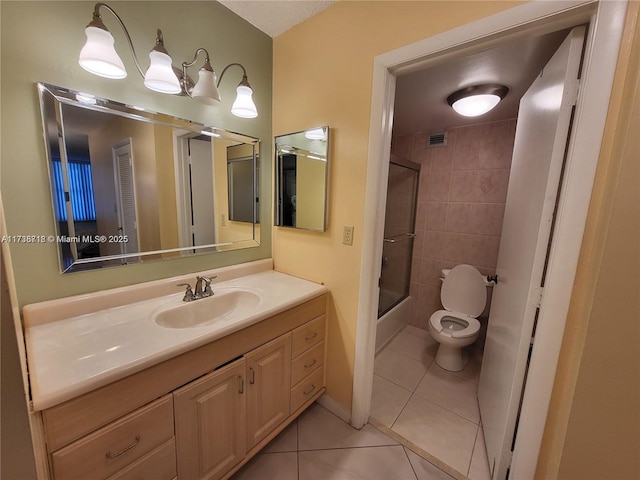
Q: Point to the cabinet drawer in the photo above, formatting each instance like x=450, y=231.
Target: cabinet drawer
x=306, y=363
x=159, y=464
x=307, y=388
x=307, y=335
x=114, y=447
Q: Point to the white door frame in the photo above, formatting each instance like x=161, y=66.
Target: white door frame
x=605, y=30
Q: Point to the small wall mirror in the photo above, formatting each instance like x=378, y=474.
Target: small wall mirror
x=302, y=173
x=131, y=186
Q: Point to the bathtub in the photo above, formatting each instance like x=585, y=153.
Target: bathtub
x=392, y=322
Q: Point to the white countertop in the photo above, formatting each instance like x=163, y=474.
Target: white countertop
x=72, y=356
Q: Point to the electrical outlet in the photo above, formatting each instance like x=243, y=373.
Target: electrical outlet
x=223, y=219
x=347, y=235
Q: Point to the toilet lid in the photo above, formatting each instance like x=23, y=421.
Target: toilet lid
x=464, y=290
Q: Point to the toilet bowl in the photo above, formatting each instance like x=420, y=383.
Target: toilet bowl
x=464, y=296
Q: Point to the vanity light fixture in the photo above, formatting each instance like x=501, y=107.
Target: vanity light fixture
x=477, y=100
x=98, y=56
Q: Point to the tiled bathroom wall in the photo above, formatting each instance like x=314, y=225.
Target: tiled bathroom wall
x=461, y=200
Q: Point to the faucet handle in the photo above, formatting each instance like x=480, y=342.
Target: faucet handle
x=207, y=285
x=188, y=295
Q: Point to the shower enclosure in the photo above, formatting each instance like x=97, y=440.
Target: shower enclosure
x=397, y=252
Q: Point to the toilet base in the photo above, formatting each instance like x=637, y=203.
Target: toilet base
x=452, y=359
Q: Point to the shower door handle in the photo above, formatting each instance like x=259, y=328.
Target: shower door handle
x=399, y=238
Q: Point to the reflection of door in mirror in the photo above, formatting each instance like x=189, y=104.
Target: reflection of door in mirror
x=242, y=172
x=127, y=234
x=196, y=180
x=202, y=201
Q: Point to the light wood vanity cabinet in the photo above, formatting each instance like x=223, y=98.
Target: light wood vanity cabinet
x=268, y=388
x=307, y=372
x=210, y=423
x=201, y=415
x=121, y=444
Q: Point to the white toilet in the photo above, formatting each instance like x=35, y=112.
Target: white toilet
x=464, y=296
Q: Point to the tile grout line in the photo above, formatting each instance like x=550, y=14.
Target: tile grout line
x=473, y=449
x=409, y=460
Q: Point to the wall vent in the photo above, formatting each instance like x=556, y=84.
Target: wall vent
x=437, y=140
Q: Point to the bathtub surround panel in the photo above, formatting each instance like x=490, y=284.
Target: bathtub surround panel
x=461, y=203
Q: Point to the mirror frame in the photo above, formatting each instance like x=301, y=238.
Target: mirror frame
x=278, y=220
x=63, y=96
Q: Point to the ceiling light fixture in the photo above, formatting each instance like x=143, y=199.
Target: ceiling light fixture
x=98, y=56
x=477, y=100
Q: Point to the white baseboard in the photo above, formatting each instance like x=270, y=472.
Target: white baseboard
x=334, y=407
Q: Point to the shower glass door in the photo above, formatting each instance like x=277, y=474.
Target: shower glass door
x=399, y=233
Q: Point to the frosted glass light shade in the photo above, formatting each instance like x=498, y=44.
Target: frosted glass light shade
x=98, y=56
x=476, y=104
x=205, y=89
x=243, y=106
x=160, y=76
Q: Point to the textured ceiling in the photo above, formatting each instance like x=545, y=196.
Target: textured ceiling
x=276, y=16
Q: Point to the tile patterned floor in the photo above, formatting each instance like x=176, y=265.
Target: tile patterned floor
x=431, y=408
x=319, y=445
x=415, y=400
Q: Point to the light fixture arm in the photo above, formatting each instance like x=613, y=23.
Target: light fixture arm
x=98, y=23
x=187, y=83
x=244, y=81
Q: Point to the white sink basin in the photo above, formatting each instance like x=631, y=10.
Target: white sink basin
x=225, y=305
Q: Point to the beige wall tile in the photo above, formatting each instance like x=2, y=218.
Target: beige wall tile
x=463, y=184
x=439, y=185
x=491, y=186
x=436, y=216
x=458, y=217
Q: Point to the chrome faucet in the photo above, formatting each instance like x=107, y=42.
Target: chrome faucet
x=190, y=295
x=199, y=293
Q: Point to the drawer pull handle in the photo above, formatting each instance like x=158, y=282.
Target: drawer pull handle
x=310, y=364
x=252, y=375
x=241, y=381
x=307, y=392
x=308, y=338
x=125, y=449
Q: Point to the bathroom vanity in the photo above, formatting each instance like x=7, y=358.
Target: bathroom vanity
x=195, y=401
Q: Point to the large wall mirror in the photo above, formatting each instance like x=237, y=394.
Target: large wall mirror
x=302, y=173
x=131, y=186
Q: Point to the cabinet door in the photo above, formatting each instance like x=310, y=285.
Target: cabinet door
x=210, y=423
x=269, y=387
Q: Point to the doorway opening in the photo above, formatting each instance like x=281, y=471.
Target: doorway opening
x=572, y=204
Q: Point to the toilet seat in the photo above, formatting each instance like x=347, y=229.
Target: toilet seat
x=472, y=325
x=464, y=290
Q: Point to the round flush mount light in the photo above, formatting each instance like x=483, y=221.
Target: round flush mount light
x=477, y=100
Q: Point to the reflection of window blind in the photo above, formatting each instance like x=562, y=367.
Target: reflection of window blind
x=81, y=191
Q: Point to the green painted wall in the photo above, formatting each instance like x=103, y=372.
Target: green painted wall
x=40, y=42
